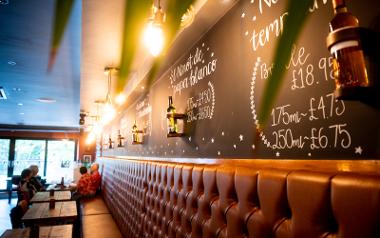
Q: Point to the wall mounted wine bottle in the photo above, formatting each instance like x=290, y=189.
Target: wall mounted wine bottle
x=348, y=64
x=134, y=133
x=172, y=124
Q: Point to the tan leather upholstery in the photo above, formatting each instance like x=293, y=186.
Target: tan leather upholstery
x=94, y=206
x=158, y=199
x=100, y=226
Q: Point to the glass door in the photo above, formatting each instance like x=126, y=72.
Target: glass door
x=27, y=153
x=4, y=162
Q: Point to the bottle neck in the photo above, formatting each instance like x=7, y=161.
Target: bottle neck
x=340, y=10
x=339, y=6
x=170, y=101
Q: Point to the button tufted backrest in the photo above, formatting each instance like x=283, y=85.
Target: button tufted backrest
x=159, y=199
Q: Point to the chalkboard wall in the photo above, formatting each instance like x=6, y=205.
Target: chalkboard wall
x=219, y=83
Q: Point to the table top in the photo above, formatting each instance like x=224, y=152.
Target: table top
x=45, y=196
x=16, y=233
x=40, y=213
x=58, y=187
x=61, y=231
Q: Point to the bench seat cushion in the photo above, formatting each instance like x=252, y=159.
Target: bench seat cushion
x=100, y=226
x=94, y=206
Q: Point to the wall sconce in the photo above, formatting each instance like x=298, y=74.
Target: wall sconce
x=120, y=139
x=137, y=135
x=172, y=120
x=188, y=17
x=82, y=117
x=153, y=37
x=110, y=142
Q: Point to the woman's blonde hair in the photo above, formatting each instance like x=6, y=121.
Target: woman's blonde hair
x=34, y=169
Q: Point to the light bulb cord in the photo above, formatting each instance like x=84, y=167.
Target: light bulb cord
x=108, y=96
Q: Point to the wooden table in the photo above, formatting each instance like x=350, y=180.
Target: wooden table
x=62, y=231
x=59, y=196
x=40, y=214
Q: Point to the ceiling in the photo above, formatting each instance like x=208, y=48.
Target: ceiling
x=91, y=42
x=24, y=47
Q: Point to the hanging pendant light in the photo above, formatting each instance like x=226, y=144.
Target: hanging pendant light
x=153, y=37
x=109, y=111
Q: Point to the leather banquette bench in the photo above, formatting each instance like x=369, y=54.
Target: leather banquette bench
x=168, y=199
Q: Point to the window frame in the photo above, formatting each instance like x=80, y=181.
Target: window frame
x=12, y=147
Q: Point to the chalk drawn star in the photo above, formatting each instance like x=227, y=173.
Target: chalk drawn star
x=241, y=137
x=212, y=140
x=358, y=150
x=278, y=154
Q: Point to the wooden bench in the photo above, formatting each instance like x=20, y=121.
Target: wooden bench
x=97, y=222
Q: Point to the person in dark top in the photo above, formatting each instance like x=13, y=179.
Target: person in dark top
x=34, y=180
x=16, y=214
x=25, y=189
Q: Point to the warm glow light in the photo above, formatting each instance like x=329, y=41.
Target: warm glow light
x=109, y=113
x=97, y=129
x=154, y=38
x=120, y=99
x=90, y=138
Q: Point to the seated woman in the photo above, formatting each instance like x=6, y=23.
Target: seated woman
x=25, y=189
x=34, y=180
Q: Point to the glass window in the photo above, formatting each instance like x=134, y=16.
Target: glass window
x=4, y=157
x=29, y=152
x=60, y=161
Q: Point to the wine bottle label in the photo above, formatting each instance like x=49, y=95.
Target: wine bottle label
x=343, y=45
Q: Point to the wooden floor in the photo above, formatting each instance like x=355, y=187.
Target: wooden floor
x=5, y=208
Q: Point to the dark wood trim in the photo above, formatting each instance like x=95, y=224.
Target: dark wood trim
x=11, y=158
x=356, y=166
x=8, y=127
